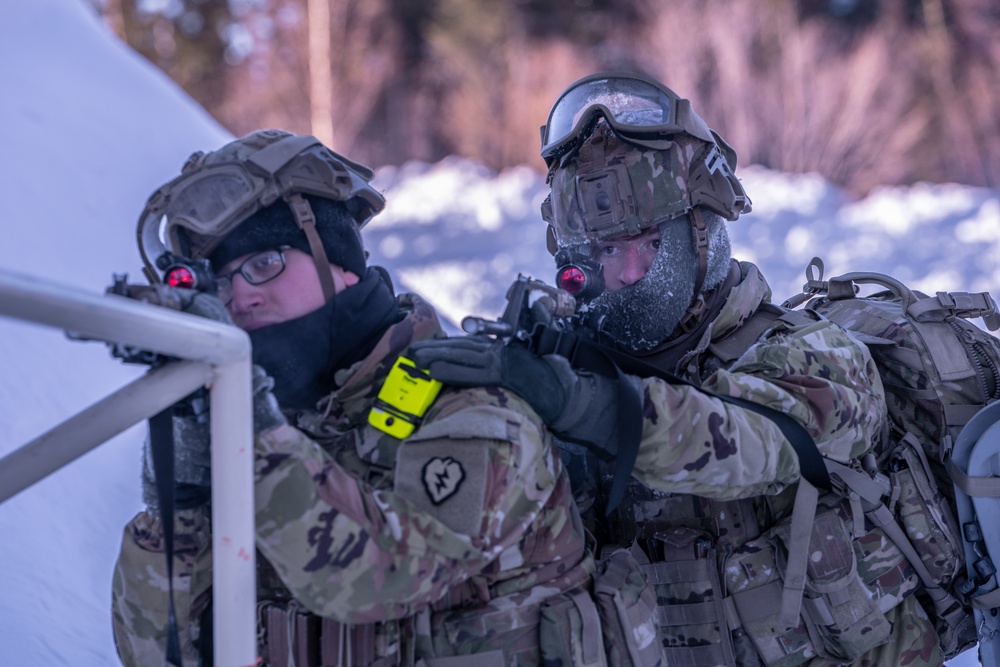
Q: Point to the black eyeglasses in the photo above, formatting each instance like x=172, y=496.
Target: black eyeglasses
x=256, y=269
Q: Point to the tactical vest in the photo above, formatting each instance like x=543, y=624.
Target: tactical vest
x=608, y=624
x=725, y=572
x=288, y=635
x=491, y=623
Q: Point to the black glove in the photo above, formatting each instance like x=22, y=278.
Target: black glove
x=578, y=406
x=190, y=421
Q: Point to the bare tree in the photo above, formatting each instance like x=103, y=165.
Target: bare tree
x=320, y=77
x=899, y=91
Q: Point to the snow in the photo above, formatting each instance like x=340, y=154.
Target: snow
x=88, y=129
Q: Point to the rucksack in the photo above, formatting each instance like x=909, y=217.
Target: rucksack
x=938, y=371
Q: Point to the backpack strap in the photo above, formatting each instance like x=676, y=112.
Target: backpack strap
x=803, y=514
x=947, y=305
x=731, y=347
x=947, y=607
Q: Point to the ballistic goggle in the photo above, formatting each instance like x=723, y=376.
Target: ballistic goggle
x=637, y=107
x=192, y=214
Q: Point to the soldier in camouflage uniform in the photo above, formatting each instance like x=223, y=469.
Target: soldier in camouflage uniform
x=752, y=565
x=459, y=540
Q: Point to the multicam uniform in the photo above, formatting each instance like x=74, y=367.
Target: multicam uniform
x=459, y=540
x=713, y=490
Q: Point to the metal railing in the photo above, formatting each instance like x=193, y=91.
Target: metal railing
x=213, y=355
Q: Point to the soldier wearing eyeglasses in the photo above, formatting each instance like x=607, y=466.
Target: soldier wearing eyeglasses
x=457, y=543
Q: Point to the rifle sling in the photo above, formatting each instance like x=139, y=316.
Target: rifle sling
x=589, y=355
x=161, y=441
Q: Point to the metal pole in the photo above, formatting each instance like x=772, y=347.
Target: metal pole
x=227, y=349
x=76, y=436
x=112, y=318
x=233, y=536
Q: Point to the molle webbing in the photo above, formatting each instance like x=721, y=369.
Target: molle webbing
x=690, y=608
x=297, y=638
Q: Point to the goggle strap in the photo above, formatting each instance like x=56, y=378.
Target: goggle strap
x=152, y=276
x=307, y=223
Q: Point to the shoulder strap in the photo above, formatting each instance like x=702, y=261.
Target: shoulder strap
x=161, y=444
x=730, y=348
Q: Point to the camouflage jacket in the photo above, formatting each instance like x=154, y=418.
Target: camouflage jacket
x=464, y=530
x=816, y=373
x=714, y=488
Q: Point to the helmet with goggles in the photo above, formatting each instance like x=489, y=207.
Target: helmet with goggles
x=192, y=214
x=626, y=153
x=635, y=106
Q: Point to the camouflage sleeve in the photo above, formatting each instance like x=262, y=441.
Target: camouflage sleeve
x=468, y=485
x=816, y=373
x=140, y=601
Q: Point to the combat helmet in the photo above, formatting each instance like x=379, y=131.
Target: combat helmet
x=625, y=153
x=217, y=191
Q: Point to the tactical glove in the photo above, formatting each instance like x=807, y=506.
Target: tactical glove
x=578, y=406
x=190, y=420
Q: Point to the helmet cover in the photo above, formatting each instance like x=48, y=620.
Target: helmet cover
x=641, y=156
x=611, y=187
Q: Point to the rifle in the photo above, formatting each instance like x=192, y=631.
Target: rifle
x=546, y=320
x=179, y=272
x=531, y=304
x=551, y=324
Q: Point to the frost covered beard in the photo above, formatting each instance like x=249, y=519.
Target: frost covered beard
x=643, y=315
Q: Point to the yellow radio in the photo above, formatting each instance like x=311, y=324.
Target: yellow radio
x=403, y=400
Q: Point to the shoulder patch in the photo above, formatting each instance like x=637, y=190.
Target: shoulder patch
x=442, y=477
x=447, y=478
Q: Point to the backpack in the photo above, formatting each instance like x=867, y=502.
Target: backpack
x=938, y=371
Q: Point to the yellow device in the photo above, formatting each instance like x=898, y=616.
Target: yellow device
x=403, y=400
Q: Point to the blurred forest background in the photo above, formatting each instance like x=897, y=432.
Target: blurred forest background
x=864, y=92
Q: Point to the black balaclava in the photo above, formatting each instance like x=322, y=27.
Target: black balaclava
x=643, y=315
x=302, y=355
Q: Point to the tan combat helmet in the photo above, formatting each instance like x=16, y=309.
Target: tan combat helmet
x=626, y=153
x=216, y=191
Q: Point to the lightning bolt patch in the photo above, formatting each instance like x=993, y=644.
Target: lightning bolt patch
x=442, y=477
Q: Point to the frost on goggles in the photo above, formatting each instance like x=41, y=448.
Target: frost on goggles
x=627, y=102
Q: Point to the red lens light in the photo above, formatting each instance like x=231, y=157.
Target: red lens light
x=180, y=277
x=572, y=279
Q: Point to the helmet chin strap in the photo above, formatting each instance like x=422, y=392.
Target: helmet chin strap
x=306, y=221
x=699, y=234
